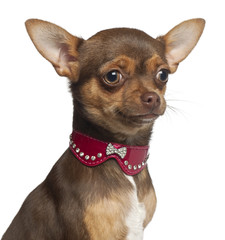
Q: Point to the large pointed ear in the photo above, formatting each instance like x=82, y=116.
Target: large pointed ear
x=181, y=40
x=56, y=45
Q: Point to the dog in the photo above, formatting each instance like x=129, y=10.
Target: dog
x=100, y=188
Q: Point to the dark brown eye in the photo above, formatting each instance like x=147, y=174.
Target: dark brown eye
x=162, y=75
x=113, y=77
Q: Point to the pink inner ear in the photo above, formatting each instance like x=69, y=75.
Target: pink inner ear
x=64, y=56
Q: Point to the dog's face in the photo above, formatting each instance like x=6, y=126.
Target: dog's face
x=118, y=76
x=122, y=79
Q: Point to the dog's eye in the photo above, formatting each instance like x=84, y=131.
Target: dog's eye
x=162, y=75
x=113, y=77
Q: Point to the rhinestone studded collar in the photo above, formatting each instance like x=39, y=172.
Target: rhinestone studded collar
x=92, y=152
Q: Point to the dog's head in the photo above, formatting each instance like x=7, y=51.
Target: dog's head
x=118, y=76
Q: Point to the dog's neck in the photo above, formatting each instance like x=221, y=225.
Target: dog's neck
x=83, y=125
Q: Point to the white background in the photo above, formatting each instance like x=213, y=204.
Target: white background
x=187, y=149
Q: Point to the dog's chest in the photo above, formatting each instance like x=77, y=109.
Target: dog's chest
x=136, y=215
x=123, y=205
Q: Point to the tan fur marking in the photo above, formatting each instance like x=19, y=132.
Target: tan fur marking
x=149, y=201
x=124, y=63
x=154, y=63
x=105, y=219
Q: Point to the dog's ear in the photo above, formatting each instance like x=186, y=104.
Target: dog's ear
x=56, y=45
x=181, y=40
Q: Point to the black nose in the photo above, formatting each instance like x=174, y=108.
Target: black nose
x=151, y=100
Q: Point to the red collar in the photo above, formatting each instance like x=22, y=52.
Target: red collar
x=92, y=152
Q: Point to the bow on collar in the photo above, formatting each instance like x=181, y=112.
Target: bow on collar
x=120, y=152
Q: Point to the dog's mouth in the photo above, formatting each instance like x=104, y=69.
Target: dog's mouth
x=140, y=118
x=145, y=118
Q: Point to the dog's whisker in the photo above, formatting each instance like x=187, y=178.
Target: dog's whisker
x=177, y=100
x=176, y=110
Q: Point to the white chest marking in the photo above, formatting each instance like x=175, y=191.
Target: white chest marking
x=136, y=215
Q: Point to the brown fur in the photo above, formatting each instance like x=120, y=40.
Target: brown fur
x=76, y=202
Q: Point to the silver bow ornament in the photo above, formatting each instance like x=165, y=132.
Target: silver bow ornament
x=111, y=150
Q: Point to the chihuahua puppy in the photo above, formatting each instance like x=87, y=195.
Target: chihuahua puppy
x=100, y=188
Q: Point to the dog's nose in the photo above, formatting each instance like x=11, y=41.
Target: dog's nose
x=151, y=100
